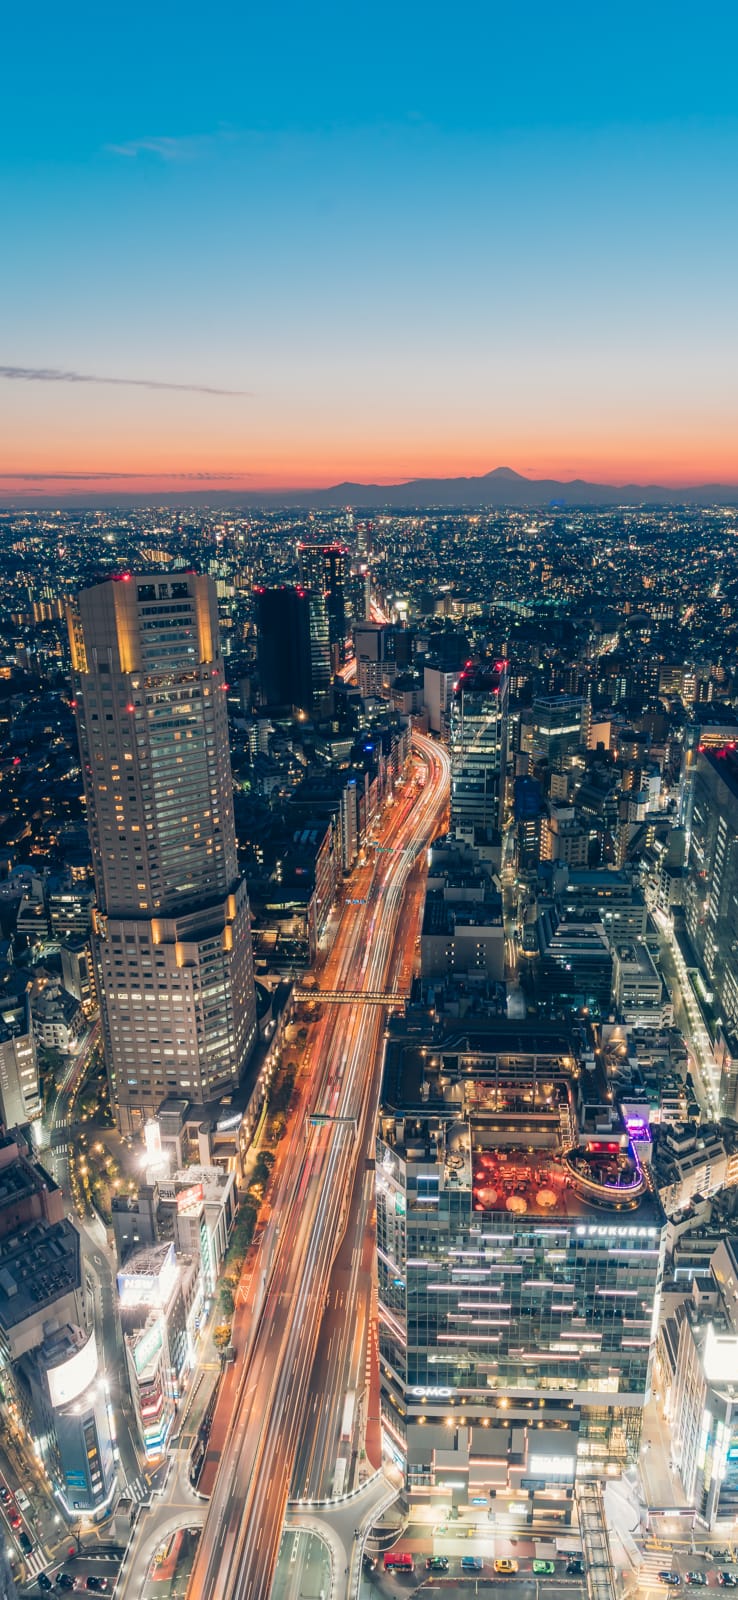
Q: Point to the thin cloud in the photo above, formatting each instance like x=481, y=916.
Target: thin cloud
x=61, y=375
x=166, y=146
x=105, y=477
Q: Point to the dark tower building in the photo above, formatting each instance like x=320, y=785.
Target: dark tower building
x=293, y=649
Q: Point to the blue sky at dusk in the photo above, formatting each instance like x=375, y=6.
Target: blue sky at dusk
x=422, y=240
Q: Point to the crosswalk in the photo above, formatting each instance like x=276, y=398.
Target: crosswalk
x=653, y=1562
x=138, y=1489
x=35, y=1563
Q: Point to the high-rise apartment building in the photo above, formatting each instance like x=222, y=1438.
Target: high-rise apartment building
x=520, y=1258
x=171, y=939
x=478, y=737
x=294, y=652
x=324, y=569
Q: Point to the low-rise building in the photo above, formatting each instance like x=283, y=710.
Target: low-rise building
x=160, y=1298
x=638, y=988
x=203, y=1203
x=694, y=1159
x=20, y=1099
x=58, y=1018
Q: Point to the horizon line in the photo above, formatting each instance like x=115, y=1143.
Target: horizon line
x=235, y=482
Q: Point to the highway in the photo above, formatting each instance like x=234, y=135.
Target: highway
x=240, y=1543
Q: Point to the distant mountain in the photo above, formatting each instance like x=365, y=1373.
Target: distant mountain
x=503, y=487
x=500, y=488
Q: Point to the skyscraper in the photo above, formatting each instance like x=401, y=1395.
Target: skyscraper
x=293, y=649
x=323, y=569
x=711, y=899
x=558, y=728
x=171, y=939
x=478, y=733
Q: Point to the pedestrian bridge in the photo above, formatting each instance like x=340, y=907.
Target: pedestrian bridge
x=353, y=997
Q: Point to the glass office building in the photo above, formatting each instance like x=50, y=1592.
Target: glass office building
x=478, y=741
x=520, y=1255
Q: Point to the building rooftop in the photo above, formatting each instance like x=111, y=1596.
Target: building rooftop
x=38, y=1265
x=517, y=1130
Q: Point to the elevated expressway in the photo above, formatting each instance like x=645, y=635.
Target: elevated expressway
x=271, y=1386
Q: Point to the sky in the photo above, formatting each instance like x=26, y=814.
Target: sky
x=298, y=243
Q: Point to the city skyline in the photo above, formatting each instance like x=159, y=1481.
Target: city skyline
x=444, y=1198
x=344, y=249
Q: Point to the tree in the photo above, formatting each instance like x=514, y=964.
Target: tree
x=222, y=1335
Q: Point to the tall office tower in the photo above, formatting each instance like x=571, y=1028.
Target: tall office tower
x=171, y=938
x=557, y=729
x=323, y=568
x=711, y=900
x=293, y=649
x=478, y=737
x=520, y=1261
x=359, y=592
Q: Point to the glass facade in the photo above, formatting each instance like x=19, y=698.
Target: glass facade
x=519, y=1265
x=711, y=901
x=478, y=739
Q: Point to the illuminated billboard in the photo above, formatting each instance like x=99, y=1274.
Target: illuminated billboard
x=190, y=1200
x=69, y=1379
x=152, y=1136
x=551, y=1466
x=149, y=1278
x=148, y=1345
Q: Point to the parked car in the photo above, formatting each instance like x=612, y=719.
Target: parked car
x=44, y=1582
x=697, y=1580
x=437, y=1564
x=505, y=1567
x=472, y=1564
x=98, y=1584
x=672, y=1578
x=14, y=1520
x=64, y=1580
x=728, y=1580
x=543, y=1569
x=575, y=1567
x=25, y=1542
